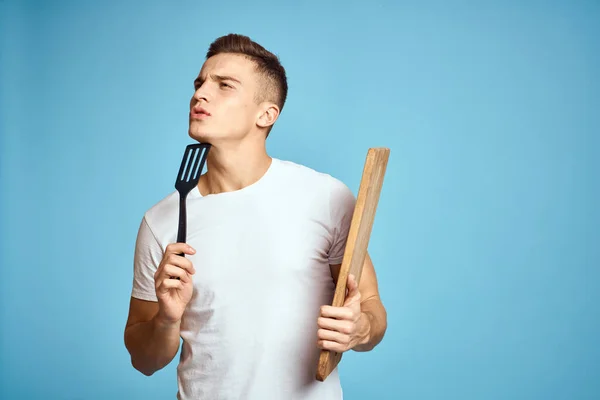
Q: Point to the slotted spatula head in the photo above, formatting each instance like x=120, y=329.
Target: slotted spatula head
x=187, y=179
x=191, y=167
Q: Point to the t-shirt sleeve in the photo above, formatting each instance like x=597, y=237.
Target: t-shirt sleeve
x=341, y=210
x=147, y=257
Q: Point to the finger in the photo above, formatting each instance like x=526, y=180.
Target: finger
x=178, y=248
x=171, y=264
x=333, y=336
x=335, y=325
x=336, y=312
x=353, y=294
x=173, y=272
x=168, y=284
x=332, y=346
x=181, y=262
x=352, y=286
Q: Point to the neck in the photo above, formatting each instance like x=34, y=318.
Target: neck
x=232, y=167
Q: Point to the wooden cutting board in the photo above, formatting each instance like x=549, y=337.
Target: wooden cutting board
x=358, y=240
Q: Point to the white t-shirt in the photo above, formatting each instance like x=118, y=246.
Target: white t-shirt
x=262, y=273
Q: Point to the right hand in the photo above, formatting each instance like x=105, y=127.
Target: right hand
x=174, y=294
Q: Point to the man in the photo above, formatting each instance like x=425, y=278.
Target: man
x=265, y=242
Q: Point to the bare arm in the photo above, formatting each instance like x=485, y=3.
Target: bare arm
x=152, y=332
x=151, y=342
x=373, y=321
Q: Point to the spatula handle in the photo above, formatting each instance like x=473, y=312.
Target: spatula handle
x=182, y=230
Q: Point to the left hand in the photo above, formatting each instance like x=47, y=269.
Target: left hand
x=342, y=328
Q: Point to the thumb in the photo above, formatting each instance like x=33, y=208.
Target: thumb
x=352, y=288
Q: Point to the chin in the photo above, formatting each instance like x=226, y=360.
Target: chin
x=200, y=136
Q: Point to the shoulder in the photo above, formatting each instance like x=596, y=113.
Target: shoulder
x=165, y=209
x=317, y=180
x=317, y=188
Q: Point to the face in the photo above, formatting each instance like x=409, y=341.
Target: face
x=223, y=107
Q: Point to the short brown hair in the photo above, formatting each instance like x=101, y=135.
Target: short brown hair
x=267, y=64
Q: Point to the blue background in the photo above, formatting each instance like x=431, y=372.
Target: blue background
x=486, y=240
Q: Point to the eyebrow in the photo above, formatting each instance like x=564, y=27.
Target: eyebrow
x=218, y=78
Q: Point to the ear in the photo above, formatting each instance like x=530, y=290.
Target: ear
x=269, y=112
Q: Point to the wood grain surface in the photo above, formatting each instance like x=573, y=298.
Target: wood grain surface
x=358, y=240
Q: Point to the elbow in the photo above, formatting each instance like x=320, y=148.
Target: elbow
x=139, y=364
x=144, y=369
x=147, y=372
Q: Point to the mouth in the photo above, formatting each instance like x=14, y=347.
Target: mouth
x=199, y=113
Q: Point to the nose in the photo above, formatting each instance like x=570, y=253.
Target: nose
x=201, y=94
x=198, y=97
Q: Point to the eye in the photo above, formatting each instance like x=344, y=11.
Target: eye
x=223, y=84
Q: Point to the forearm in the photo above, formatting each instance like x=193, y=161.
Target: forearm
x=375, y=324
x=152, y=344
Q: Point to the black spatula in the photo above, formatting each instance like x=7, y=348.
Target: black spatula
x=187, y=179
